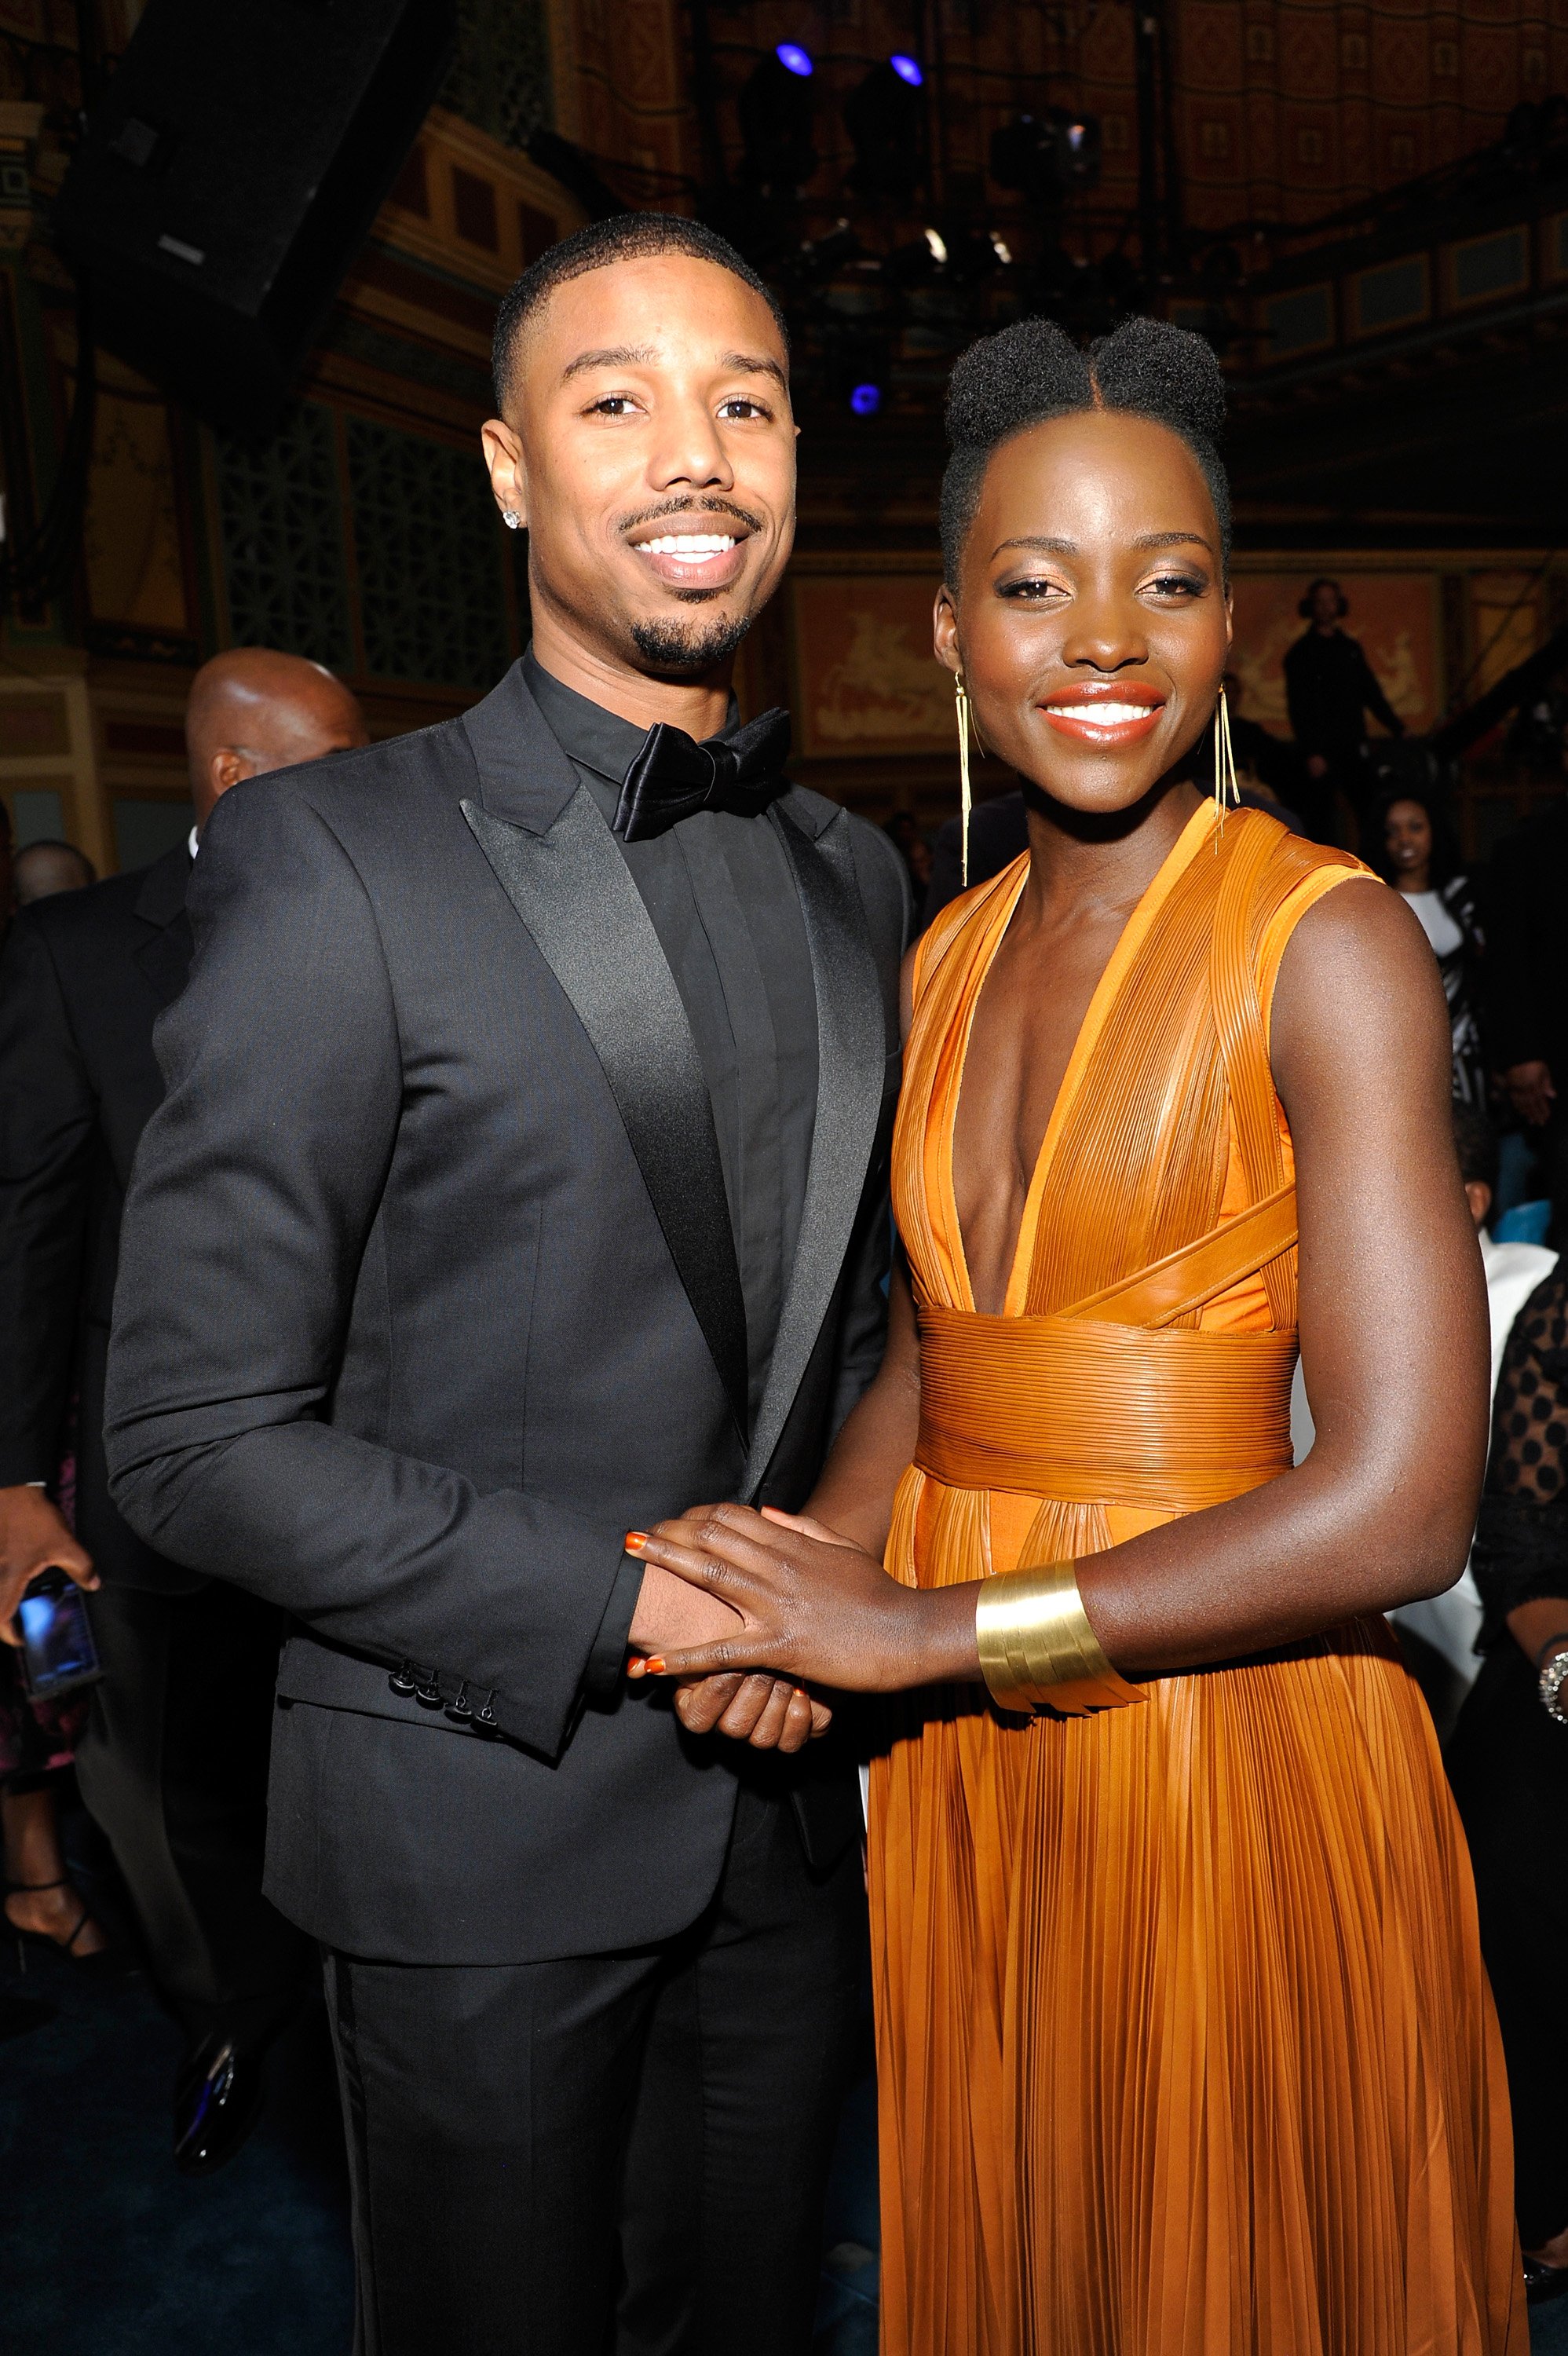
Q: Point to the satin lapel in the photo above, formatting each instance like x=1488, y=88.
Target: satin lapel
x=573, y=890
x=851, y=1057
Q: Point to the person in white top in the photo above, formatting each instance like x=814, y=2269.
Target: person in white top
x=1409, y=842
x=1449, y=1624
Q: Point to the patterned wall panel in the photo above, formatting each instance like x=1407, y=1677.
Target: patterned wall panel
x=430, y=558
x=500, y=76
x=281, y=520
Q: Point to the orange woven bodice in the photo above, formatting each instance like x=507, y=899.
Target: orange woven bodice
x=1145, y=1353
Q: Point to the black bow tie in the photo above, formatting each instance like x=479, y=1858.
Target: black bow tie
x=674, y=775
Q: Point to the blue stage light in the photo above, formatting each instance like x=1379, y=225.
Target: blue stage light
x=907, y=69
x=790, y=55
x=865, y=400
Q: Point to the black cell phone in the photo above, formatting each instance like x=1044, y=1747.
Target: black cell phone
x=58, y=1650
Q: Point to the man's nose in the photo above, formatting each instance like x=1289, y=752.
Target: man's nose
x=688, y=448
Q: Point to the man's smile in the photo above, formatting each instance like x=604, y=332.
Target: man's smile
x=686, y=555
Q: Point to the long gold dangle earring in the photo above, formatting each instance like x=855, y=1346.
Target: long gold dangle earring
x=1227, y=786
x=961, y=694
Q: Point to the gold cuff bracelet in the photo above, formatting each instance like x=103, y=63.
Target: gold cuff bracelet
x=1037, y=1647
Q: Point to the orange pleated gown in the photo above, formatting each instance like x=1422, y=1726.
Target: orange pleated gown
x=1185, y=2047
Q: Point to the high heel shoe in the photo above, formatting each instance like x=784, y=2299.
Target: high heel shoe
x=66, y=1946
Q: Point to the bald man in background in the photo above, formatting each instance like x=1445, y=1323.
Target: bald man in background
x=172, y=1764
x=45, y=868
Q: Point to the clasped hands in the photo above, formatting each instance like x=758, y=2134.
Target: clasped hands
x=741, y=1607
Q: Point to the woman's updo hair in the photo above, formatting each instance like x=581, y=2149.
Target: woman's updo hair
x=1032, y=371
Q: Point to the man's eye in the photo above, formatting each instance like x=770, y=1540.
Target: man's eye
x=740, y=404
x=614, y=405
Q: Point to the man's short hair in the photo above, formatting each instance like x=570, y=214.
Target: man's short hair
x=624, y=237
x=1476, y=1141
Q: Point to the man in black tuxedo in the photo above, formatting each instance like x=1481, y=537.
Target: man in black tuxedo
x=523, y=1168
x=173, y=1761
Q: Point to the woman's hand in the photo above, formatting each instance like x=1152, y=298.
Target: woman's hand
x=755, y=1709
x=809, y=1606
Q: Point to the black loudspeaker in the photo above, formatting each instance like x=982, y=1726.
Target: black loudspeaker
x=229, y=175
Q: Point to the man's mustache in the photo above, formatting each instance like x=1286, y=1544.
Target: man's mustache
x=712, y=506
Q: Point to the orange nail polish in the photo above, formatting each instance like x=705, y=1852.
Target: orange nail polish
x=635, y=1541
x=654, y=1666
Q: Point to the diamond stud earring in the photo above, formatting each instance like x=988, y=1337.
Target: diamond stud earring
x=513, y=521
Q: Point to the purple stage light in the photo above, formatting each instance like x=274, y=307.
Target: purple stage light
x=796, y=60
x=865, y=400
x=907, y=69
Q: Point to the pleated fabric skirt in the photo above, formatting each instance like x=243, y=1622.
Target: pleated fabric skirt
x=1185, y=2045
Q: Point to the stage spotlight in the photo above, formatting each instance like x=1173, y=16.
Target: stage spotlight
x=816, y=260
x=865, y=400
x=885, y=118
x=1047, y=157
x=776, y=114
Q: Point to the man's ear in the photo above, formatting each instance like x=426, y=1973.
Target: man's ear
x=508, y=472
x=228, y=765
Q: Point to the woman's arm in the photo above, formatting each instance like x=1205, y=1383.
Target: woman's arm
x=854, y=1497
x=1394, y=1339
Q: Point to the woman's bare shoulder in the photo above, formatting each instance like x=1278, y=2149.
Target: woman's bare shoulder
x=1360, y=993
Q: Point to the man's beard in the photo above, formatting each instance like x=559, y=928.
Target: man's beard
x=687, y=649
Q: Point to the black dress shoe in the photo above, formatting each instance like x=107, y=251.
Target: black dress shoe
x=1543, y=2282
x=219, y=2092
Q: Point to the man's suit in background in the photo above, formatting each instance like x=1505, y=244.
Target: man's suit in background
x=483, y=1145
x=173, y=1763
x=1330, y=688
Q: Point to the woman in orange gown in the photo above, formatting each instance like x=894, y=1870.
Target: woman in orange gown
x=1185, y=2047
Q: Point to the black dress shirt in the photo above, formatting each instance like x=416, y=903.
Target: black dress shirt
x=720, y=894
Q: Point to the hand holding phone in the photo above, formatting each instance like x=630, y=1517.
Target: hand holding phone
x=34, y=1536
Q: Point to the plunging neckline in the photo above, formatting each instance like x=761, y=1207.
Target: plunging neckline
x=1129, y=941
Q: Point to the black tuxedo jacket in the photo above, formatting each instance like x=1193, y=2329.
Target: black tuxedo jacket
x=82, y=980
x=428, y=1294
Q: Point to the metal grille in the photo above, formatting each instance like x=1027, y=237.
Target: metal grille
x=432, y=589
x=500, y=76
x=285, y=567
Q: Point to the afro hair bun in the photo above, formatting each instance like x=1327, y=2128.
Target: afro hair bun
x=1033, y=371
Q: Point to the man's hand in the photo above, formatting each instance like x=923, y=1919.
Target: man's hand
x=769, y=1713
x=34, y=1536
x=1530, y=1092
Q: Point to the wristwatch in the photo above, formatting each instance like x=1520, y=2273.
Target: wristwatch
x=1553, y=1677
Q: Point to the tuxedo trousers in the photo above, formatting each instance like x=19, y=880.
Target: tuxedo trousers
x=612, y=2155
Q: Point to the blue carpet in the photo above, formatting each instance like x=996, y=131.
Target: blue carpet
x=106, y=2247
x=1549, y=2328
